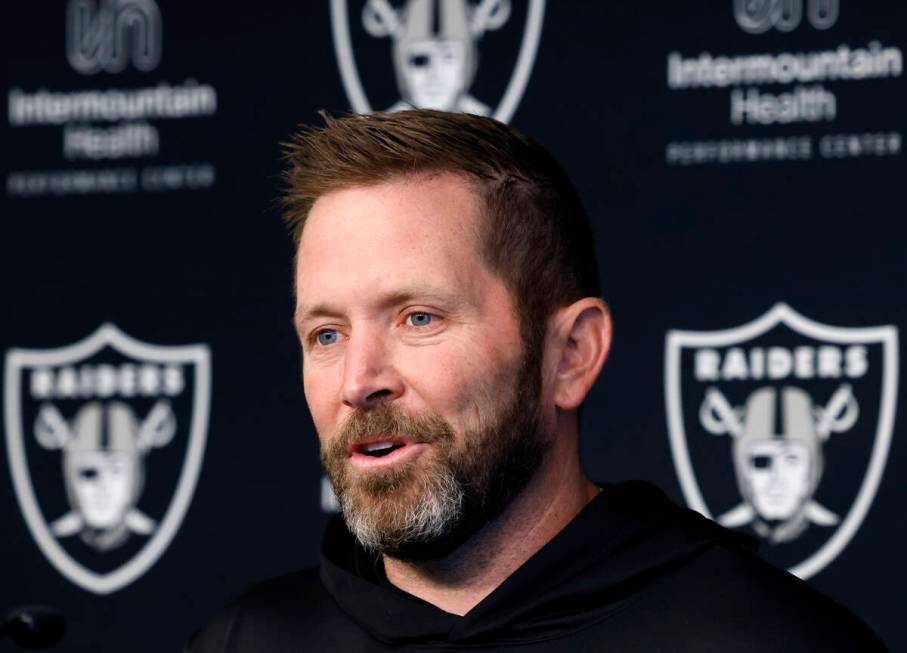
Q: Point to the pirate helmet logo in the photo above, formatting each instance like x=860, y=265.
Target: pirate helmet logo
x=105, y=440
x=435, y=51
x=777, y=402
x=778, y=470
x=103, y=467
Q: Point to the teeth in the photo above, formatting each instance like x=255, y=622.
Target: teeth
x=377, y=446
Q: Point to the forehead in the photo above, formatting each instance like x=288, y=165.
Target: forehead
x=421, y=228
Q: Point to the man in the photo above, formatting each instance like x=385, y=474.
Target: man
x=451, y=326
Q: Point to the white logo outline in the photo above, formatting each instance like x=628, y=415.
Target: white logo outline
x=352, y=84
x=107, y=335
x=781, y=313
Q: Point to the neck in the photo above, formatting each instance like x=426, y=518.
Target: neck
x=458, y=582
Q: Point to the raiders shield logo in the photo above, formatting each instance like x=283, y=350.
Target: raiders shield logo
x=105, y=440
x=426, y=53
x=781, y=427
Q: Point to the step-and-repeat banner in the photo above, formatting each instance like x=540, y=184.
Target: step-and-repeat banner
x=743, y=162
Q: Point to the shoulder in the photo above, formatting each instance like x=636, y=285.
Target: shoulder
x=720, y=595
x=274, y=615
x=741, y=600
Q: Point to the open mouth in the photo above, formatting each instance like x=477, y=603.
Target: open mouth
x=378, y=449
x=381, y=454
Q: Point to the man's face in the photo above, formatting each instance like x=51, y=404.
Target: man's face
x=413, y=366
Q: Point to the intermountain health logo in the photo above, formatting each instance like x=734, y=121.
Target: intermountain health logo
x=109, y=34
x=105, y=440
x=759, y=16
x=426, y=53
x=782, y=427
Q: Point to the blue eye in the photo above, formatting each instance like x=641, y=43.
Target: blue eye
x=327, y=337
x=420, y=319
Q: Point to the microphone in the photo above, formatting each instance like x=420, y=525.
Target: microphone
x=33, y=626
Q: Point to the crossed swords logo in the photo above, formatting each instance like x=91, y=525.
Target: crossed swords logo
x=381, y=19
x=53, y=432
x=719, y=417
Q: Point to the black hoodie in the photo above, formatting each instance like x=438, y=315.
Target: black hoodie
x=632, y=572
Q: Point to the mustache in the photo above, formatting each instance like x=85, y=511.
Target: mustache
x=385, y=422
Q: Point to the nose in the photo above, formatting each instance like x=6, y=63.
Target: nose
x=369, y=375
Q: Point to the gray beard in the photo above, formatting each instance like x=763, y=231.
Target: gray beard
x=429, y=519
x=425, y=511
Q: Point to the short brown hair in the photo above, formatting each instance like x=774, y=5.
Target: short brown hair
x=536, y=234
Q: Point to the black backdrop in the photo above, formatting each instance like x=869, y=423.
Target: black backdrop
x=705, y=220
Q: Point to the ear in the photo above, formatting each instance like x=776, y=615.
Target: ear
x=583, y=339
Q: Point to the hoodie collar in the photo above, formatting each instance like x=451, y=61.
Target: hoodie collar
x=624, y=537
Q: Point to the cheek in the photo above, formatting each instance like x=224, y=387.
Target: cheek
x=322, y=397
x=458, y=378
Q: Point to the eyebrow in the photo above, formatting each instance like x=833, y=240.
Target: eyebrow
x=431, y=295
